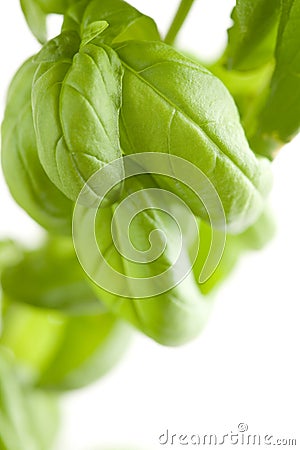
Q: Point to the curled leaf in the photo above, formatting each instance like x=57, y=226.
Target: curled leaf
x=24, y=174
x=76, y=103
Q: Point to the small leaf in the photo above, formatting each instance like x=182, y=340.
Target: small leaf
x=92, y=31
x=125, y=22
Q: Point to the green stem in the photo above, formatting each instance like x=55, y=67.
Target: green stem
x=180, y=16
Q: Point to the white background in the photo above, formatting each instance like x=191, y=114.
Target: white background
x=245, y=365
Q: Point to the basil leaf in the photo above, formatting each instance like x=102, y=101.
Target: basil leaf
x=197, y=121
x=56, y=351
x=76, y=103
x=170, y=316
x=252, y=38
x=25, y=177
x=56, y=6
x=28, y=418
x=36, y=19
x=125, y=22
x=279, y=120
x=10, y=253
x=36, y=11
x=254, y=238
x=50, y=277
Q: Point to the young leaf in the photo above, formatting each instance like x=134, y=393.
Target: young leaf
x=76, y=103
x=252, y=38
x=24, y=174
x=56, y=351
x=51, y=278
x=125, y=22
x=173, y=105
x=279, y=120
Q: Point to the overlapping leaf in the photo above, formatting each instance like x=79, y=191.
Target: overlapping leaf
x=24, y=174
x=56, y=351
x=125, y=22
x=197, y=121
x=252, y=38
x=171, y=316
x=51, y=278
x=279, y=120
x=76, y=102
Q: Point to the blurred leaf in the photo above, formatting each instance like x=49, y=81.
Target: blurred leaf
x=254, y=238
x=169, y=316
x=10, y=253
x=28, y=418
x=52, y=278
x=62, y=352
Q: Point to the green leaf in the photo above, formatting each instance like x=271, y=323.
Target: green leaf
x=252, y=38
x=28, y=418
x=253, y=239
x=76, y=103
x=279, y=120
x=125, y=22
x=24, y=174
x=10, y=253
x=36, y=11
x=56, y=6
x=61, y=352
x=50, y=277
x=169, y=316
x=174, y=105
x=36, y=18
x=92, y=31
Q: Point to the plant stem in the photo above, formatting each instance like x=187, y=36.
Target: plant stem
x=180, y=16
